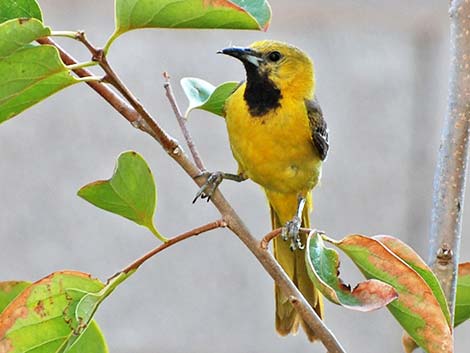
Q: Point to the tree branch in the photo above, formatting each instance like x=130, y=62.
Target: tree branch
x=182, y=123
x=104, y=91
x=232, y=219
x=193, y=232
x=451, y=170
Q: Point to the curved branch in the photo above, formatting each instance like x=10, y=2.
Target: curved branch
x=191, y=233
x=264, y=243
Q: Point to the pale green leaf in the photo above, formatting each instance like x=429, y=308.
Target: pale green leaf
x=130, y=193
x=203, y=95
x=323, y=269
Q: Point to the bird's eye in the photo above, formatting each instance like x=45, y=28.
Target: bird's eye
x=274, y=56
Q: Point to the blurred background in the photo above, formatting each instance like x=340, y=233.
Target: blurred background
x=382, y=81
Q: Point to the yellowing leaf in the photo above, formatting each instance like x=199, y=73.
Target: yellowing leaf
x=9, y=290
x=407, y=254
x=35, y=318
x=416, y=309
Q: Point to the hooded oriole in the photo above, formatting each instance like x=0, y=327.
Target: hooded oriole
x=279, y=138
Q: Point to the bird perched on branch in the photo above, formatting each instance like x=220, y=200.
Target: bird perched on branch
x=279, y=138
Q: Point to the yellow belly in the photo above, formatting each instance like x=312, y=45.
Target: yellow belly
x=276, y=149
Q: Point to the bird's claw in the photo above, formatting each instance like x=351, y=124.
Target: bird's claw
x=292, y=231
x=208, y=188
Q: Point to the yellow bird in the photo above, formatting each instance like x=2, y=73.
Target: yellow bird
x=279, y=138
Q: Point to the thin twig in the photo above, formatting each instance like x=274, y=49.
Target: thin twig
x=95, y=52
x=193, y=232
x=182, y=123
x=232, y=219
x=451, y=170
x=103, y=90
x=264, y=243
x=168, y=143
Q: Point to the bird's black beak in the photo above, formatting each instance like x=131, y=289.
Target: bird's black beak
x=246, y=55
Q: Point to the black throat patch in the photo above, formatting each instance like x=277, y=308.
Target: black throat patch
x=261, y=94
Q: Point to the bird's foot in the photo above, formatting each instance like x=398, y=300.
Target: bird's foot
x=213, y=180
x=292, y=231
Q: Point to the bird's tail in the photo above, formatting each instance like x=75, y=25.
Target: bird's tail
x=293, y=262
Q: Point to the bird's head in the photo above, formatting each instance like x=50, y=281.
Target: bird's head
x=289, y=68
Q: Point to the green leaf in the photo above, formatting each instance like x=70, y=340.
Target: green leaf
x=323, y=269
x=202, y=95
x=16, y=33
x=86, y=304
x=28, y=76
x=91, y=341
x=130, y=193
x=19, y=9
x=412, y=259
x=416, y=309
x=36, y=318
x=462, y=299
x=235, y=14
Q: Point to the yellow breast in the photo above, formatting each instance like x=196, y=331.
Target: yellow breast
x=274, y=150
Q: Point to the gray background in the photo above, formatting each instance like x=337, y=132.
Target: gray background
x=382, y=81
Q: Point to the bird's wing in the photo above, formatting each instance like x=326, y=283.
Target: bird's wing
x=318, y=127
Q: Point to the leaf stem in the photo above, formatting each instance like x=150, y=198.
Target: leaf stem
x=182, y=121
x=110, y=41
x=67, y=34
x=82, y=65
x=157, y=233
x=193, y=232
x=90, y=79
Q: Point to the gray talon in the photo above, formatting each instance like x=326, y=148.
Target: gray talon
x=212, y=182
x=292, y=231
x=299, y=243
x=284, y=235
